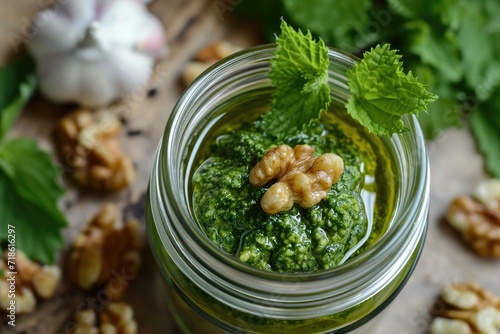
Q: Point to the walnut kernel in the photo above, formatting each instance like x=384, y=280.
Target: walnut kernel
x=205, y=58
x=301, y=178
x=479, y=225
x=89, y=144
x=32, y=280
x=116, y=318
x=488, y=193
x=468, y=309
x=105, y=249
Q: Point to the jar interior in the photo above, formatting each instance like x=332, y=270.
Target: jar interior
x=379, y=187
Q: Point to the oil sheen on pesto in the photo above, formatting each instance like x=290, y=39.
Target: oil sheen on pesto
x=228, y=210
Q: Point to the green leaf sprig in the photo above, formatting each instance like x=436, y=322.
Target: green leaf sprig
x=381, y=93
x=299, y=72
x=28, y=179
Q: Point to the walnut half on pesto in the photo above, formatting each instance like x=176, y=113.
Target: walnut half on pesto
x=301, y=178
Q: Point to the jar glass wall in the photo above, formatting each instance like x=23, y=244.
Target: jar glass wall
x=207, y=288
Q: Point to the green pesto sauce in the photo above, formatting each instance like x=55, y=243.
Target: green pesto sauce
x=228, y=210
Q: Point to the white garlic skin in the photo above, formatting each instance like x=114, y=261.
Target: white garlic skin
x=93, y=51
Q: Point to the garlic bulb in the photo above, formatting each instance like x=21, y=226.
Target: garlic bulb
x=94, y=51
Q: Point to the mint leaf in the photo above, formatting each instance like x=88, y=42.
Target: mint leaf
x=28, y=197
x=338, y=22
x=299, y=72
x=381, y=93
x=17, y=83
x=485, y=125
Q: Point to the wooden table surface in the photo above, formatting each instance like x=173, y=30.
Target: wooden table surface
x=190, y=24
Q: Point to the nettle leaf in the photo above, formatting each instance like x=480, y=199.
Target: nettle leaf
x=28, y=179
x=381, y=93
x=299, y=72
x=28, y=199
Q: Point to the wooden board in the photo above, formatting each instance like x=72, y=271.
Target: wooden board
x=190, y=24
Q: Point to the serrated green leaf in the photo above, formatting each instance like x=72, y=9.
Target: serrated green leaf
x=485, y=125
x=17, y=83
x=28, y=199
x=299, y=72
x=381, y=93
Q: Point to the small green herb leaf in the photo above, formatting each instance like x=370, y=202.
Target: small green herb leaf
x=299, y=72
x=382, y=93
x=28, y=199
x=17, y=84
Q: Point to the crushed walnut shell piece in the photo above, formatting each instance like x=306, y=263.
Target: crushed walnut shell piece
x=116, y=318
x=106, y=253
x=301, y=178
x=32, y=280
x=468, y=309
x=205, y=58
x=88, y=144
x=478, y=219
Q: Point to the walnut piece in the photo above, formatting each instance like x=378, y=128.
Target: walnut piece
x=488, y=193
x=205, y=58
x=468, y=309
x=32, y=280
x=116, y=318
x=478, y=219
x=106, y=254
x=88, y=144
x=301, y=178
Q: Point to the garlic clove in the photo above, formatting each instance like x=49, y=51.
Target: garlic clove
x=129, y=24
x=81, y=13
x=97, y=83
x=60, y=78
x=58, y=34
x=131, y=70
x=71, y=79
x=154, y=43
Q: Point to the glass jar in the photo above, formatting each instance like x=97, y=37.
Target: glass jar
x=209, y=291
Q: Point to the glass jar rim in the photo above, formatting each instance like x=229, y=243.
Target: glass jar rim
x=230, y=270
